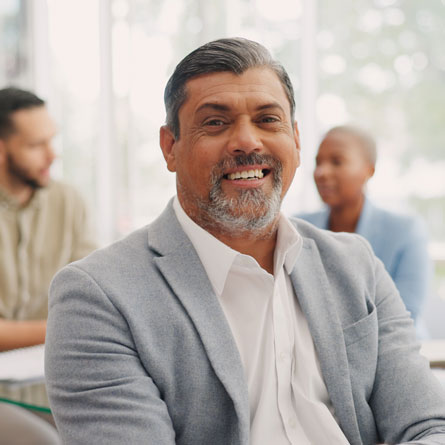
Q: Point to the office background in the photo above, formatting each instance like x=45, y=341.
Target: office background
x=102, y=66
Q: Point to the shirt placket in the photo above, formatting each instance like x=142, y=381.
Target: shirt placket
x=23, y=275
x=283, y=361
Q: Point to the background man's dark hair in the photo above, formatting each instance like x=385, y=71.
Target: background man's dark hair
x=235, y=55
x=14, y=99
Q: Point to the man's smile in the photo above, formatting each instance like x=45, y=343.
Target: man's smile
x=247, y=173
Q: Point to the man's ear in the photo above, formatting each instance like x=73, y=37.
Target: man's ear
x=296, y=135
x=167, y=142
x=2, y=151
x=297, y=140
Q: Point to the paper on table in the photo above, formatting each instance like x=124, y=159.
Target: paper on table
x=434, y=351
x=22, y=365
x=440, y=374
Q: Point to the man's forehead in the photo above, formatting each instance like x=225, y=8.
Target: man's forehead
x=29, y=118
x=250, y=79
x=27, y=113
x=260, y=84
x=32, y=125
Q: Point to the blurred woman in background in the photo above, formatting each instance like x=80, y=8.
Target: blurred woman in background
x=345, y=162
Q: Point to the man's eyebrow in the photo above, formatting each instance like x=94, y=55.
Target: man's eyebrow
x=221, y=107
x=270, y=106
x=213, y=106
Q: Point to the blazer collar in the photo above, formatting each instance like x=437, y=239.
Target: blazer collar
x=181, y=267
x=364, y=225
x=314, y=295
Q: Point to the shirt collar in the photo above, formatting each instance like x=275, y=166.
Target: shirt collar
x=218, y=258
x=8, y=201
x=289, y=244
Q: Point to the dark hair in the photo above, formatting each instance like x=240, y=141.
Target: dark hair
x=11, y=100
x=235, y=55
x=366, y=141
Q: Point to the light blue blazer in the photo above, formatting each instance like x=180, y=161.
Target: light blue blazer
x=401, y=242
x=138, y=349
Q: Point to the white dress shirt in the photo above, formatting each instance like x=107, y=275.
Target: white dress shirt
x=289, y=402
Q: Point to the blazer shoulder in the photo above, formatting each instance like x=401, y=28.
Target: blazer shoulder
x=122, y=256
x=324, y=236
x=332, y=245
x=318, y=218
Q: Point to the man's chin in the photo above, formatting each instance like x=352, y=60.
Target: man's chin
x=240, y=216
x=37, y=183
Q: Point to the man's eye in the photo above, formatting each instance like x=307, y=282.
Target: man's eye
x=269, y=119
x=214, y=123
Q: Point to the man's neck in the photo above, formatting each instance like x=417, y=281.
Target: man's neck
x=258, y=243
x=259, y=246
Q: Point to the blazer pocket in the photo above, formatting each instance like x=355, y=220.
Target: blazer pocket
x=361, y=328
x=361, y=341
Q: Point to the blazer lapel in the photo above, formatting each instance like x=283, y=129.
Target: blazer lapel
x=181, y=267
x=314, y=295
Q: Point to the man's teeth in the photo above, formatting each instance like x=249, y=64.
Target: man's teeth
x=246, y=174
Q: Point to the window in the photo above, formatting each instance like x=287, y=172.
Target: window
x=376, y=63
x=14, y=44
x=381, y=65
x=108, y=83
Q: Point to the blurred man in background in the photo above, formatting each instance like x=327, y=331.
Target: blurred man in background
x=43, y=223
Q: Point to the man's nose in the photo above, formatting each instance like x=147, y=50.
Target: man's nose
x=244, y=138
x=50, y=153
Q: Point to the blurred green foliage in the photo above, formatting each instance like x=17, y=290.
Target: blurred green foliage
x=401, y=42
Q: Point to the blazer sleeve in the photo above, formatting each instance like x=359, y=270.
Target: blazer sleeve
x=413, y=268
x=407, y=400
x=98, y=389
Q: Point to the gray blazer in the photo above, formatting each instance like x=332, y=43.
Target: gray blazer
x=138, y=349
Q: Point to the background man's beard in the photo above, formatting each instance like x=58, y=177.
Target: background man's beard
x=20, y=175
x=252, y=209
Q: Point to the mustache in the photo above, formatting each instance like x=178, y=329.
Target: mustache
x=242, y=160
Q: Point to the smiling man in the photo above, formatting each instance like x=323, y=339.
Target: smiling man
x=235, y=156
x=43, y=223
x=224, y=322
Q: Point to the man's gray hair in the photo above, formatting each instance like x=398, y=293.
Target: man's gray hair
x=234, y=55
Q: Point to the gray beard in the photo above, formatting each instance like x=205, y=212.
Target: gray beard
x=252, y=210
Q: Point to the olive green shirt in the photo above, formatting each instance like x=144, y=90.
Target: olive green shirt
x=35, y=242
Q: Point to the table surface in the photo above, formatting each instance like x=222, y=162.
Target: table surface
x=434, y=351
x=32, y=396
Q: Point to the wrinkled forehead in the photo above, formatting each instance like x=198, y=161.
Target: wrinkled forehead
x=255, y=84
